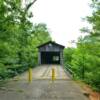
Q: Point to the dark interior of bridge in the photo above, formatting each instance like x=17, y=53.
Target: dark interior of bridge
x=50, y=57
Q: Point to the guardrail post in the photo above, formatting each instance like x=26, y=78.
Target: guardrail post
x=53, y=74
x=30, y=75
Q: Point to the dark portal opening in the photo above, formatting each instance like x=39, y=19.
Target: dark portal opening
x=50, y=57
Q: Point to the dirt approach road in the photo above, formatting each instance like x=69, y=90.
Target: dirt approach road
x=41, y=87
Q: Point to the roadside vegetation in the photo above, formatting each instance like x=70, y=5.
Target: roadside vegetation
x=84, y=60
x=19, y=38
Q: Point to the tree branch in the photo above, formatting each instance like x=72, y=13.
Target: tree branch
x=29, y=5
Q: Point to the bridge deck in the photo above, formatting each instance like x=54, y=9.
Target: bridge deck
x=45, y=72
x=42, y=88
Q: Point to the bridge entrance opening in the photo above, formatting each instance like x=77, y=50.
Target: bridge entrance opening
x=50, y=57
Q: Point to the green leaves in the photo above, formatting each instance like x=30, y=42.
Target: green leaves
x=92, y=47
x=86, y=58
x=68, y=52
x=19, y=38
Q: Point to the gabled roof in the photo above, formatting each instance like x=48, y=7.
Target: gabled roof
x=54, y=43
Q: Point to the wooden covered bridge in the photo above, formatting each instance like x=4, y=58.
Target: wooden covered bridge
x=50, y=53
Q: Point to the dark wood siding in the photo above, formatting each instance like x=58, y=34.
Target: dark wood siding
x=47, y=51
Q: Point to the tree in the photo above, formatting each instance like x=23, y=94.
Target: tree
x=40, y=35
x=68, y=52
x=18, y=37
x=87, y=52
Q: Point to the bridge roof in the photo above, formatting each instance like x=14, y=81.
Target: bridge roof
x=51, y=42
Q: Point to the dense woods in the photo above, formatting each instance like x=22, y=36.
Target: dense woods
x=85, y=60
x=19, y=38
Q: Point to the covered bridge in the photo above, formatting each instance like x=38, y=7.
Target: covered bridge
x=50, y=53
